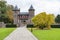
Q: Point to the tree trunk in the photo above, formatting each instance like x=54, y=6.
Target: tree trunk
x=48, y=26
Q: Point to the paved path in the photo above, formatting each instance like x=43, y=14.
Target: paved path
x=21, y=34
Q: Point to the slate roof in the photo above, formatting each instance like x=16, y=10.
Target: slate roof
x=16, y=8
x=31, y=7
x=23, y=13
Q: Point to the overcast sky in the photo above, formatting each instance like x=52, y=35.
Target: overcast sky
x=49, y=6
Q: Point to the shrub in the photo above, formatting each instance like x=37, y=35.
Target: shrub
x=11, y=25
x=30, y=25
x=55, y=26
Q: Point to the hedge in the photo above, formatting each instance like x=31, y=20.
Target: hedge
x=52, y=26
x=11, y=26
x=30, y=25
x=55, y=26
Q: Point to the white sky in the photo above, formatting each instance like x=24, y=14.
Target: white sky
x=49, y=6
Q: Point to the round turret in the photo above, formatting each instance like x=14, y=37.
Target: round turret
x=31, y=8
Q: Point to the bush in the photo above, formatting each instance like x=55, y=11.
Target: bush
x=5, y=19
x=55, y=26
x=30, y=25
x=11, y=26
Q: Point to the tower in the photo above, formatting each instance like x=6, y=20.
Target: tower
x=31, y=12
x=15, y=14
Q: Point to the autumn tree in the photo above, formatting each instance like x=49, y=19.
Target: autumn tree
x=10, y=12
x=50, y=20
x=43, y=20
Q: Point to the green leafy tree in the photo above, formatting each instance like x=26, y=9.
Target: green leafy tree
x=3, y=9
x=43, y=20
x=57, y=19
x=5, y=12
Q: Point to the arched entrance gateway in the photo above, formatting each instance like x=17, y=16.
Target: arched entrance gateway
x=23, y=18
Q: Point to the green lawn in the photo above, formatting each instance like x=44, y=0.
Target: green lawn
x=4, y=32
x=53, y=34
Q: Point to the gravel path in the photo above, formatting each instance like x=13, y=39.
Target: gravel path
x=21, y=33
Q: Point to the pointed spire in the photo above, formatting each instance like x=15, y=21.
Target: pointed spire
x=16, y=8
x=31, y=7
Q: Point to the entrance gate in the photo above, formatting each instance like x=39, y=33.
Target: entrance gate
x=23, y=23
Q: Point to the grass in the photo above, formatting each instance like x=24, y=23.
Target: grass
x=4, y=32
x=53, y=34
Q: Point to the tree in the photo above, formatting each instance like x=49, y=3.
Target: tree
x=10, y=12
x=57, y=19
x=50, y=20
x=3, y=9
x=5, y=12
x=43, y=20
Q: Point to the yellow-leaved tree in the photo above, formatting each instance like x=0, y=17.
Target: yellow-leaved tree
x=43, y=20
x=10, y=12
